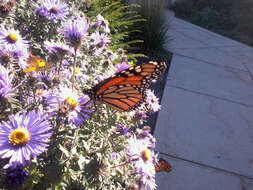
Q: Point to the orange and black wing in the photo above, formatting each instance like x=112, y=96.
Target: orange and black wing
x=163, y=165
x=126, y=90
x=123, y=98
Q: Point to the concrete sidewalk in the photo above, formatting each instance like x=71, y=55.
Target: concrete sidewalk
x=205, y=127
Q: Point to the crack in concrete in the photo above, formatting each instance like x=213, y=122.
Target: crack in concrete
x=208, y=166
x=215, y=64
x=209, y=95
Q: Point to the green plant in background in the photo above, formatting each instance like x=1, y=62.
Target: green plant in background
x=122, y=19
x=154, y=30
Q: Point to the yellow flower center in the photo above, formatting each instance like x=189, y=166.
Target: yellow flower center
x=19, y=136
x=146, y=154
x=71, y=102
x=12, y=38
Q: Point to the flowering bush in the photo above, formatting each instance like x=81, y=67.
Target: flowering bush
x=52, y=135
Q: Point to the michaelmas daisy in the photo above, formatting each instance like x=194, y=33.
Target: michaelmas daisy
x=143, y=159
x=53, y=10
x=75, y=31
x=24, y=137
x=66, y=103
x=12, y=40
x=152, y=101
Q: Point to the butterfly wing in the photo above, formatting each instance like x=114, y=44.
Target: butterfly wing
x=123, y=98
x=37, y=64
x=163, y=165
x=139, y=76
x=126, y=90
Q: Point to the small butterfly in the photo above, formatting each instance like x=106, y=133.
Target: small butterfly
x=37, y=64
x=163, y=165
x=126, y=90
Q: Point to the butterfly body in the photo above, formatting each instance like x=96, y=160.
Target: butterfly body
x=126, y=90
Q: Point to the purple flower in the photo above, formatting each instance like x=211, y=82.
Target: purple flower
x=5, y=56
x=19, y=56
x=143, y=159
x=75, y=31
x=53, y=10
x=145, y=134
x=100, y=40
x=24, y=137
x=57, y=50
x=24, y=54
x=5, y=83
x=15, y=175
x=148, y=181
x=48, y=78
x=140, y=115
x=12, y=40
x=136, y=147
x=114, y=155
x=122, y=66
x=147, y=171
x=13, y=43
x=102, y=23
x=41, y=11
x=123, y=130
x=152, y=101
x=70, y=105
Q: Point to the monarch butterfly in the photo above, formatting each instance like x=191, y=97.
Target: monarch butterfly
x=163, y=165
x=126, y=90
